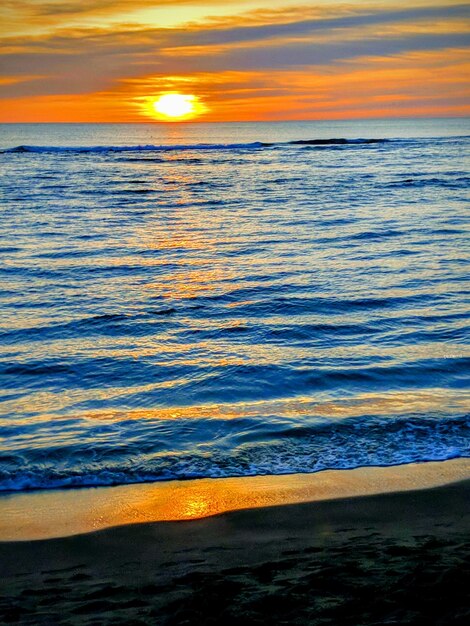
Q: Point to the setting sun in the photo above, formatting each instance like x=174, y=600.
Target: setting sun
x=175, y=106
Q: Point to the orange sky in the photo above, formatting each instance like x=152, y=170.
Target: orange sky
x=105, y=60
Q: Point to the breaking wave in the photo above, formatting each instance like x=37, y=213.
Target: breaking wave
x=256, y=145
x=257, y=447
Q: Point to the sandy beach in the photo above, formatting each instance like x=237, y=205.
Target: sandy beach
x=393, y=558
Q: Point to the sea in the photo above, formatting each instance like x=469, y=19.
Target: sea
x=185, y=301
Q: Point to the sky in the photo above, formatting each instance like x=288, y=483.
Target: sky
x=242, y=60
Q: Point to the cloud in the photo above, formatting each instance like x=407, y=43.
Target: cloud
x=76, y=62
x=79, y=60
x=304, y=27
x=71, y=7
x=28, y=16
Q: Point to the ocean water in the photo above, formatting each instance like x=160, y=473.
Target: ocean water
x=195, y=300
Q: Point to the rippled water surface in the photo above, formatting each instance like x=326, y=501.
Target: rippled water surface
x=231, y=299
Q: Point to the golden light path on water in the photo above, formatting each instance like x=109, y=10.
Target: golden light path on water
x=384, y=404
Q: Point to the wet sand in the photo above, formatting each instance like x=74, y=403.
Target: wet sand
x=397, y=558
x=60, y=513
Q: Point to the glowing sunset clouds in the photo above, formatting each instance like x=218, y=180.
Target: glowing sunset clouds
x=111, y=60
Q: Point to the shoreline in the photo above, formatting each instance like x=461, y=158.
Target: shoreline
x=389, y=558
x=62, y=513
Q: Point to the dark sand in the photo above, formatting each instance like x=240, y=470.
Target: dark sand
x=400, y=558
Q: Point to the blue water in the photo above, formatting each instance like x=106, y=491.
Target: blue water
x=183, y=301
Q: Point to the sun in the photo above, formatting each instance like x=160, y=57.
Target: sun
x=174, y=107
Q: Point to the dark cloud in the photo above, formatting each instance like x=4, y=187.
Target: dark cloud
x=245, y=34
x=322, y=54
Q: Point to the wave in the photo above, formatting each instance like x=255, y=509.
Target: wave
x=280, y=447
x=334, y=142
x=136, y=148
x=256, y=145
x=143, y=305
